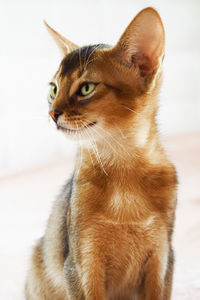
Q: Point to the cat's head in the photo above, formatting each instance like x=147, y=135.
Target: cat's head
x=100, y=89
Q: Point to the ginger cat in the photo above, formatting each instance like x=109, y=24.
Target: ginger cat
x=109, y=233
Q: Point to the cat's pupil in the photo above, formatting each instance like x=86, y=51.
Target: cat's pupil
x=87, y=87
x=55, y=90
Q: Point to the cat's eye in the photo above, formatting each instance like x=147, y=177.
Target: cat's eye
x=87, y=88
x=53, y=92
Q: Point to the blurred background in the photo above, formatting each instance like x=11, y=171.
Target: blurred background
x=35, y=159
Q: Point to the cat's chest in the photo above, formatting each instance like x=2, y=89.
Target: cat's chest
x=116, y=203
x=127, y=206
x=123, y=247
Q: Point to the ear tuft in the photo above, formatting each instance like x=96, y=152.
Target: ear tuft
x=143, y=42
x=64, y=44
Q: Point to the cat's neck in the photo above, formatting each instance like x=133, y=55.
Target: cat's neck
x=121, y=154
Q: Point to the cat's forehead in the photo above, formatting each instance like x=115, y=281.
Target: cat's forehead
x=79, y=59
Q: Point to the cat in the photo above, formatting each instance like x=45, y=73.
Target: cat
x=109, y=234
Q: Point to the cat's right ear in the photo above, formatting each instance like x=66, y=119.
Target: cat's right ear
x=63, y=44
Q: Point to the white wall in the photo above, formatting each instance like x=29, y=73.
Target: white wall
x=28, y=59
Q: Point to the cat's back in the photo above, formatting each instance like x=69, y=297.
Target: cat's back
x=53, y=247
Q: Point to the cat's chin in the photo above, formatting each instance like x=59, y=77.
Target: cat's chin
x=77, y=134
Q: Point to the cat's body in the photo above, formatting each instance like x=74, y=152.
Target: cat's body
x=109, y=234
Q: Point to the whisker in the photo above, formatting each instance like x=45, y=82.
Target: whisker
x=109, y=134
x=95, y=149
x=90, y=154
x=135, y=112
x=80, y=147
x=91, y=158
x=98, y=156
x=88, y=149
x=97, y=132
x=121, y=132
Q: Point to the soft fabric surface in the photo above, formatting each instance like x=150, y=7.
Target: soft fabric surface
x=26, y=200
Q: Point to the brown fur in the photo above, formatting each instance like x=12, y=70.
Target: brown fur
x=109, y=234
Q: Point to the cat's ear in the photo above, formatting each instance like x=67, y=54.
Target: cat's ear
x=142, y=43
x=64, y=44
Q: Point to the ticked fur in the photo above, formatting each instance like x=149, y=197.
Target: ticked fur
x=109, y=233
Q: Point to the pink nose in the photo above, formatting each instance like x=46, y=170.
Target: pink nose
x=55, y=115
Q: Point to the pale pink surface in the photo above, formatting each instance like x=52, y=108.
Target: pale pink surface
x=26, y=200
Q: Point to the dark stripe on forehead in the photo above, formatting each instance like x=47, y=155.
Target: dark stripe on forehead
x=78, y=58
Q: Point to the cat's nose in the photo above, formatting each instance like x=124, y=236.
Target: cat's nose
x=55, y=115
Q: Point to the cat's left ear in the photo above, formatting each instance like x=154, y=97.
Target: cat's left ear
x=142, y=43
x=64, y=44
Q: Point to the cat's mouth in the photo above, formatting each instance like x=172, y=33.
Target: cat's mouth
x=75, y=131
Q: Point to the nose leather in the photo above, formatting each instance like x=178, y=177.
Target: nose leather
x=55, y=115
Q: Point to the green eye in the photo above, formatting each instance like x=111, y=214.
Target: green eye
x=53, y=92
x=87, y=89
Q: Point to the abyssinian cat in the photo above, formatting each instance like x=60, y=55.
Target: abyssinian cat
x=109, y=233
